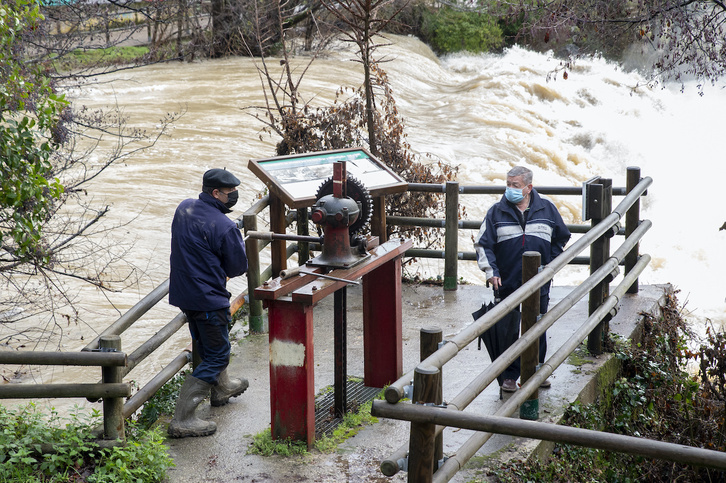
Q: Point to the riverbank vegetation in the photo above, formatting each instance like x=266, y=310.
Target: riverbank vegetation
x=79, y=59
x=672, y=39
x=449, y=30
x=35, y=447
x=658, y=396
x=55, y=448
x=666, y=40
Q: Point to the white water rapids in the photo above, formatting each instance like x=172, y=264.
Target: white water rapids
x=484, y=113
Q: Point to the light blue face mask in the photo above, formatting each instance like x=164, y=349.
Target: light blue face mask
x=514, y=195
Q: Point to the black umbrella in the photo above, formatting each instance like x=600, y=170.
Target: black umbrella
x=500, y=336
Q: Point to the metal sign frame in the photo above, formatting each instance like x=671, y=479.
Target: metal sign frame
x=587, y=209
x=295, y=179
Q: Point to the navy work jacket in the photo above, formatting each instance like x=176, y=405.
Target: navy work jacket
x=506, y=234
x=206, y=248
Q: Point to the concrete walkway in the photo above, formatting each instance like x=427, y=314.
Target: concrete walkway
x=222, y=457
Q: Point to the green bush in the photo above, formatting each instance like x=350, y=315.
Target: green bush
x=144, y=459
x=25, y=434
x=447, y=30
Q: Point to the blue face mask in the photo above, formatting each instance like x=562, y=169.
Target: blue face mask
x=514, y=195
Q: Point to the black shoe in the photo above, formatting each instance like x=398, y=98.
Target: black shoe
x=509, y=385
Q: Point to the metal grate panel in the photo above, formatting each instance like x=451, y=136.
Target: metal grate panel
x=325, y=420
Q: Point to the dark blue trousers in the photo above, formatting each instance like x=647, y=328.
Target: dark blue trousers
x=514, y=369
x=210, y=330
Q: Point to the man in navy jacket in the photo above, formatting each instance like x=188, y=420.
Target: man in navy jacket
x=206, y=249
x=521, y=221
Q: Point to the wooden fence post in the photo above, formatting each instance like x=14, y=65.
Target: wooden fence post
x=113, y=419
x=253, y=275
x=303, y=251
x=378, y=219
x=421, y=442
x=600, y=202
x=278, y=224
x=430, y=339
x=632, y=220
x=451, y=236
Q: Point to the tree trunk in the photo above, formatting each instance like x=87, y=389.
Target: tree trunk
x=366, y=51
x=221, y=27
x=180, y=26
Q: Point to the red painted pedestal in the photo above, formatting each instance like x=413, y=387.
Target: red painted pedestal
x=290, y=309
x=382, y=339
x=292, y=374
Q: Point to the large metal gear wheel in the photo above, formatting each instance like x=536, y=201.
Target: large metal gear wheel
x=355, y=190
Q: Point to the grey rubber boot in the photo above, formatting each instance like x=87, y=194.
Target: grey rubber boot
x=227, y=388
x=185, y=422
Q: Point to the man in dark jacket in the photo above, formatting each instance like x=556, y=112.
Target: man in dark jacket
x=206, y=249
x=521, y=221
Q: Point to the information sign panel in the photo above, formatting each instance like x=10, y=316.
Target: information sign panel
x=296, y=179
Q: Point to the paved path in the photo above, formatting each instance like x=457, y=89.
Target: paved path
x=222, y=457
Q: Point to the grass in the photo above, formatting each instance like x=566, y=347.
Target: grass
x=349, y=427
x=80, y=58
x=264, y=445
x=353, y=422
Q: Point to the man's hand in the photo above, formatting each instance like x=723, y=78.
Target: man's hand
x=496, y=282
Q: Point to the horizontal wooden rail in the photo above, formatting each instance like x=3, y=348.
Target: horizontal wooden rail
x=551, y=432
x=37, y=391
x=53, y=448
x=462, y=224
x=133, y=314
x=155, y=341
x=498, y=190
x=145, y=393
x=51, y=358
x=431, y=253
x=257, y=207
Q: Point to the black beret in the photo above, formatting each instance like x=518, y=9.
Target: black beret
x=219, y=178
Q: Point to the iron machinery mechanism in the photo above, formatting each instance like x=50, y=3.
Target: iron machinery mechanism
x=359, y=193
x=341, y=218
